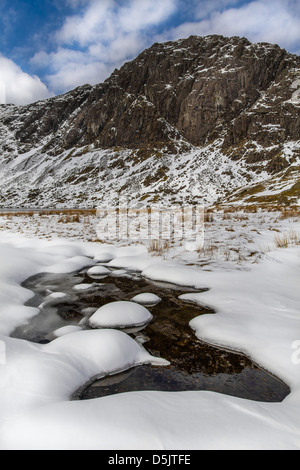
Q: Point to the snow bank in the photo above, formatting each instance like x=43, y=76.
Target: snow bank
x=71, y=265
x=36, y=375
x=134, y=263
x=257, y=310
x=155, y=420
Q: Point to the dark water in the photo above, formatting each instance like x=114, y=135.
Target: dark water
x=193, y=364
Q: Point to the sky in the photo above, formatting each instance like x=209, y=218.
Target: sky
x=48, y=47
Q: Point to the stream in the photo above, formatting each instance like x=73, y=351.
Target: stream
x=194, y=365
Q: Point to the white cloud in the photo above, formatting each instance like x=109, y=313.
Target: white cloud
x=93, y=25
x=273, y=21
x=17, y=86
x=74, y=68
x=142, y=14
x=204, y=8
x=106, y=19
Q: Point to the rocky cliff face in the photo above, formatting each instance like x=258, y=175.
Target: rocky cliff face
x=181, y=111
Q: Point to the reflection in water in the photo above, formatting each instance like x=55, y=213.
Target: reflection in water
x=252, y=384
x=194, y=365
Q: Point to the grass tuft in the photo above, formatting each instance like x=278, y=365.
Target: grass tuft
x=158, y=247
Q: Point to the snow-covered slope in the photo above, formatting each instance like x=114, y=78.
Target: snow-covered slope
x=191, y=120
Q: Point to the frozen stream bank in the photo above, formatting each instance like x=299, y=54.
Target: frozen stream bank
x=67, y=302
x=257, y=312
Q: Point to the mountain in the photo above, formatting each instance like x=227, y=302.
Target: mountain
x=203, y=119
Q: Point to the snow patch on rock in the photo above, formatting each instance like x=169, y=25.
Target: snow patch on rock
x=120, y=314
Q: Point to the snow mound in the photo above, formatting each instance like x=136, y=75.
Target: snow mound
x=119, y=273
x=53, y=299
x=120, y=314
x=146, y=299
x=66, y=330
x=88, y=311
x=100, y=352
x=104, y=257
x=57, y=295
x=85, y=287
x=98, y=271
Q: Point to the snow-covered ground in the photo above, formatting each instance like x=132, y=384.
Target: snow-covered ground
x=254, y=289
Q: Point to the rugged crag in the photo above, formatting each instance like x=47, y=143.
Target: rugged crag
x=193, y=119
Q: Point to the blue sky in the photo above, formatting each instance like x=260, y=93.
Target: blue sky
x=48, y=47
